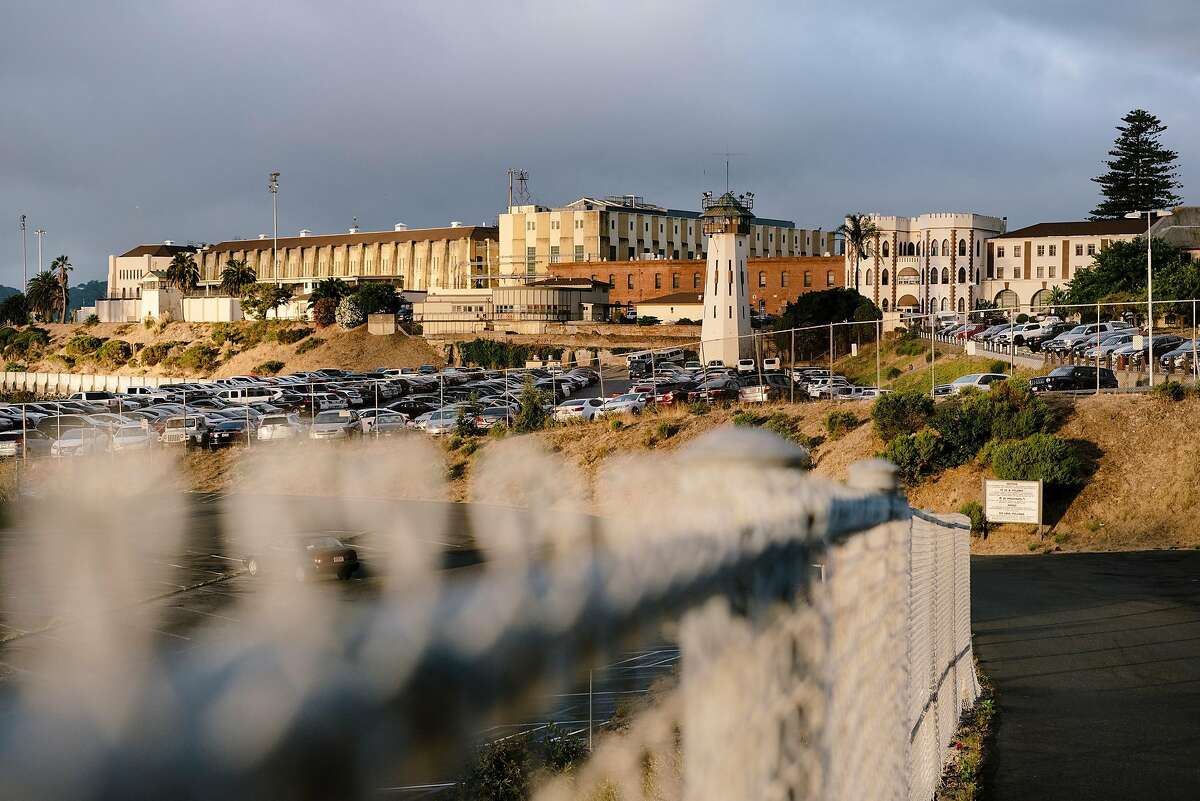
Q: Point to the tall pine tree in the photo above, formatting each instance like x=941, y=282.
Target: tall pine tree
x=1141, y=173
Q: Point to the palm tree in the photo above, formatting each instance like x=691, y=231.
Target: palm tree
x=63, y=265
x=43, y=294
x=236, y=276
x=333, y=288
x=1057, y=297
x=856, y=232
x=183, y=272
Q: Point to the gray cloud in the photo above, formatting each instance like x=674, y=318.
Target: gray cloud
x=129, y=122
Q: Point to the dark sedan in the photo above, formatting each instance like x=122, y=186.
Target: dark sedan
x=227, y=433
x=1071, y=377
x=308, y=557
x=718, y=389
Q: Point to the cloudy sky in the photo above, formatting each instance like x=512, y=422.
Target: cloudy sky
x=130, y=122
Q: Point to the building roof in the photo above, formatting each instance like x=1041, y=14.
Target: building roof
x=675, y=299
x=158, y=250
x=630, y=204
x=1081, y=228
x=362, y=238
x=1181, y=229
x=568, y=283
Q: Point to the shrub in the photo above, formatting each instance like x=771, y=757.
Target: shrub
x=1044, y=457
x=199, y=357
x=91, y=320
x=15, y=367
x=224, y=332
x=893, y=373
x=83, y=345
x=687, y=321
x=616, y=424
x=456, y=470
x=1022, y=318
x=464, y=425
x=1169, y=390
x=492, y=353
x=787, y=427
x=666, y=429
x=312, y=343
x=498, y=431
x=998, y=366
x=647, y=320
x=974, y=510
x=290, y=336
x=22, y=343
x=114, y=353
x=349, y=314
x=839, y=422
x=153, y=354
x=910, y=346
x=915, y=455
x=376, y=298
x=698, y=409
x=62, y=359
x=530, y=416
x=745, y=418
x=324, y=312
x=269, y=368
x=899, y=413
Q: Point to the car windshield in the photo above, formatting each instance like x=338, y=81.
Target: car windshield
x=331, y=417
x=129, y=431
x=1062, y=371
x=629, y=397
x=321, y=543
x=275, y=420
x=967, y=379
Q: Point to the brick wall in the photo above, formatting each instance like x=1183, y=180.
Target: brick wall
x=638, y=281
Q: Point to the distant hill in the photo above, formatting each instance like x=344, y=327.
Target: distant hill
x=84, y=294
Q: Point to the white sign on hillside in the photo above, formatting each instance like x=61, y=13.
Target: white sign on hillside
x=1012, y=501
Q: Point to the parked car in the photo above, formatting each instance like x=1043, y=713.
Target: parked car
x=79, y=442
x=307, y=557
x=746, y=366
x=335, y=424
x=629, y=403
x=32, y=442
x=577, y=409
x=192, y=431
x=229, y=432
x=280, y=426
x=382, y=421
x=980, y=381
x=1077, y=376
x=133, y=437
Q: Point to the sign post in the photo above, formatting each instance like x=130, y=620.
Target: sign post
x=1013, y=502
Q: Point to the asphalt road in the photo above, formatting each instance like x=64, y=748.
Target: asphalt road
x=1096, y=661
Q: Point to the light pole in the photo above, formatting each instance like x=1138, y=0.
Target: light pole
x=1150, y=215
x=39, y=233
x=274, y=187
x=24, y=259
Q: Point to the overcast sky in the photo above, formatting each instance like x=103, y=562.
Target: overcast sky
x=129, y=122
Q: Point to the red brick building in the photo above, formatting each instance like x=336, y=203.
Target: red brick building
x=773, y=281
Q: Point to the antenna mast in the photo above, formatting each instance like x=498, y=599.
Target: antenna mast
x=521, y=188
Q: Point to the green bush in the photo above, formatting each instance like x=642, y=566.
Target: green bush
x=899, y=413
x=114, y=353
x=83, y=345
x=666, y=429
x=15, y=367
x=910, y=346
x=840, y=422
x=376, y=298
x=324, y=312
x=699, y=409
x=974, y=510
x=62, y=359
x=91, y=320
x=1022, y=318
x=269, y=368
x=312, y=343
x=530, y=415
x=198, y=358
x=1169, y=390
x=1044, y=457
x=998, y=366
x=464, y=425
x=23, y=343
x=746, y=418
x=893, y=373
x=787, y=427
x=153, y=354
x=915, y=455
x=290, y=336
x=492, y=353
x=647, y=320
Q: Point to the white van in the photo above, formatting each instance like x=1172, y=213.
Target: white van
x=746, y=366
x=772, y=365
x=247, y=396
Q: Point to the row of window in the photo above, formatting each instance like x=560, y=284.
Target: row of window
x=1053, y=250
x=784, y=279
x=129, y=275
x=914, y=248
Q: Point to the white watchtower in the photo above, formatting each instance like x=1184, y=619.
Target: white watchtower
x=726, y=329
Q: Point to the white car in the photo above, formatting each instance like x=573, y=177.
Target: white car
x=629, y=403
x=746, y=366
x=821, y=387
x=79, y=442
x=133, y=438
x=577, y=409
x=382, y=421
x=280, y=426
x=980, y=381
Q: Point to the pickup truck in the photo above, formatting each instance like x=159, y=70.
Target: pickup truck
x=1069, y=377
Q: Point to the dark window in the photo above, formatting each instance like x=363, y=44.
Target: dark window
x=762, y=278
x=695, y=280
x=629, y=281
x=658, y=280
x=674, y=280
x=783, y=278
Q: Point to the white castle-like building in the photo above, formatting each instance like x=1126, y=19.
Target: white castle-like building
x=725, y=329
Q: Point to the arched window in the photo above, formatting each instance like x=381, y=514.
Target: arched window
x=918, y=248
x=976, y=248
x=1006, y=299
x=962, y=304
x=868, y=278
x=885, y=304
x=962, y=247
x=945, y=247
x=977, y=276
x=1040, y=299
x=933, y=249
x=943, y=304
x=933, y=275
x=912, y=248
x=945, y=275
x=883, y=277
x=962, y=275
x=885, y=250
x=762, y=278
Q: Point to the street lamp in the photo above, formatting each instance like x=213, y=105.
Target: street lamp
x=39, y=233
x=1150, y=215
x=24, y=259
x=274, y=187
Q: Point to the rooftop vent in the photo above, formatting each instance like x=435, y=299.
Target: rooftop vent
x=354, y=226
x=401, y=227
x=456, y=223
x=304, y=232
x=262, y=236
x=168, y=241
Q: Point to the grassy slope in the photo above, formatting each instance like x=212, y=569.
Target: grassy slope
x=914, y=369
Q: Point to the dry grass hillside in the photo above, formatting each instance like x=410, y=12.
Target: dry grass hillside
x=217, y=349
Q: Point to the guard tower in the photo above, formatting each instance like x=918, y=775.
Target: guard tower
x=726, y=329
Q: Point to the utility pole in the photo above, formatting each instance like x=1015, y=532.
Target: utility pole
x=39, y=233
x=274, y=187
x=24, y=259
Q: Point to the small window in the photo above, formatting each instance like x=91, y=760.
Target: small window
x=883, y=277
x=674, y=280
x=783, y=279
x=658, y=280
x=1053, y=271
x=1041, y=250
x=962, y=251
x=807, y=278
x=629, y=281
x=1079, y=250
x=829, y=278
x=1091, y=250
x=1041, y=271
x=1000, y=251
x=1054, y=250
x=762, y=278
x=1017, y=251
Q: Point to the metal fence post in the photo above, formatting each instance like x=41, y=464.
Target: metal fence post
x=932, y=355
x=878, y=349
x=831, y=361
x=1097, y=350
x=792, y=367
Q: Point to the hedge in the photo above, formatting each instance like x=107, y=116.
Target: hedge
x=1043, y=457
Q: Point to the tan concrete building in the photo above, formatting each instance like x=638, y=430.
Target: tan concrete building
x=127, y=271
x=1023, y=266
x=527, y=308
x=454, y=257
x=627, y=228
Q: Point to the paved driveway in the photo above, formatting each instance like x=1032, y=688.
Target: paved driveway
x=1096, y=660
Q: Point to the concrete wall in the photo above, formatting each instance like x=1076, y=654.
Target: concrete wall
x=67, y=383
x=212, y=310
